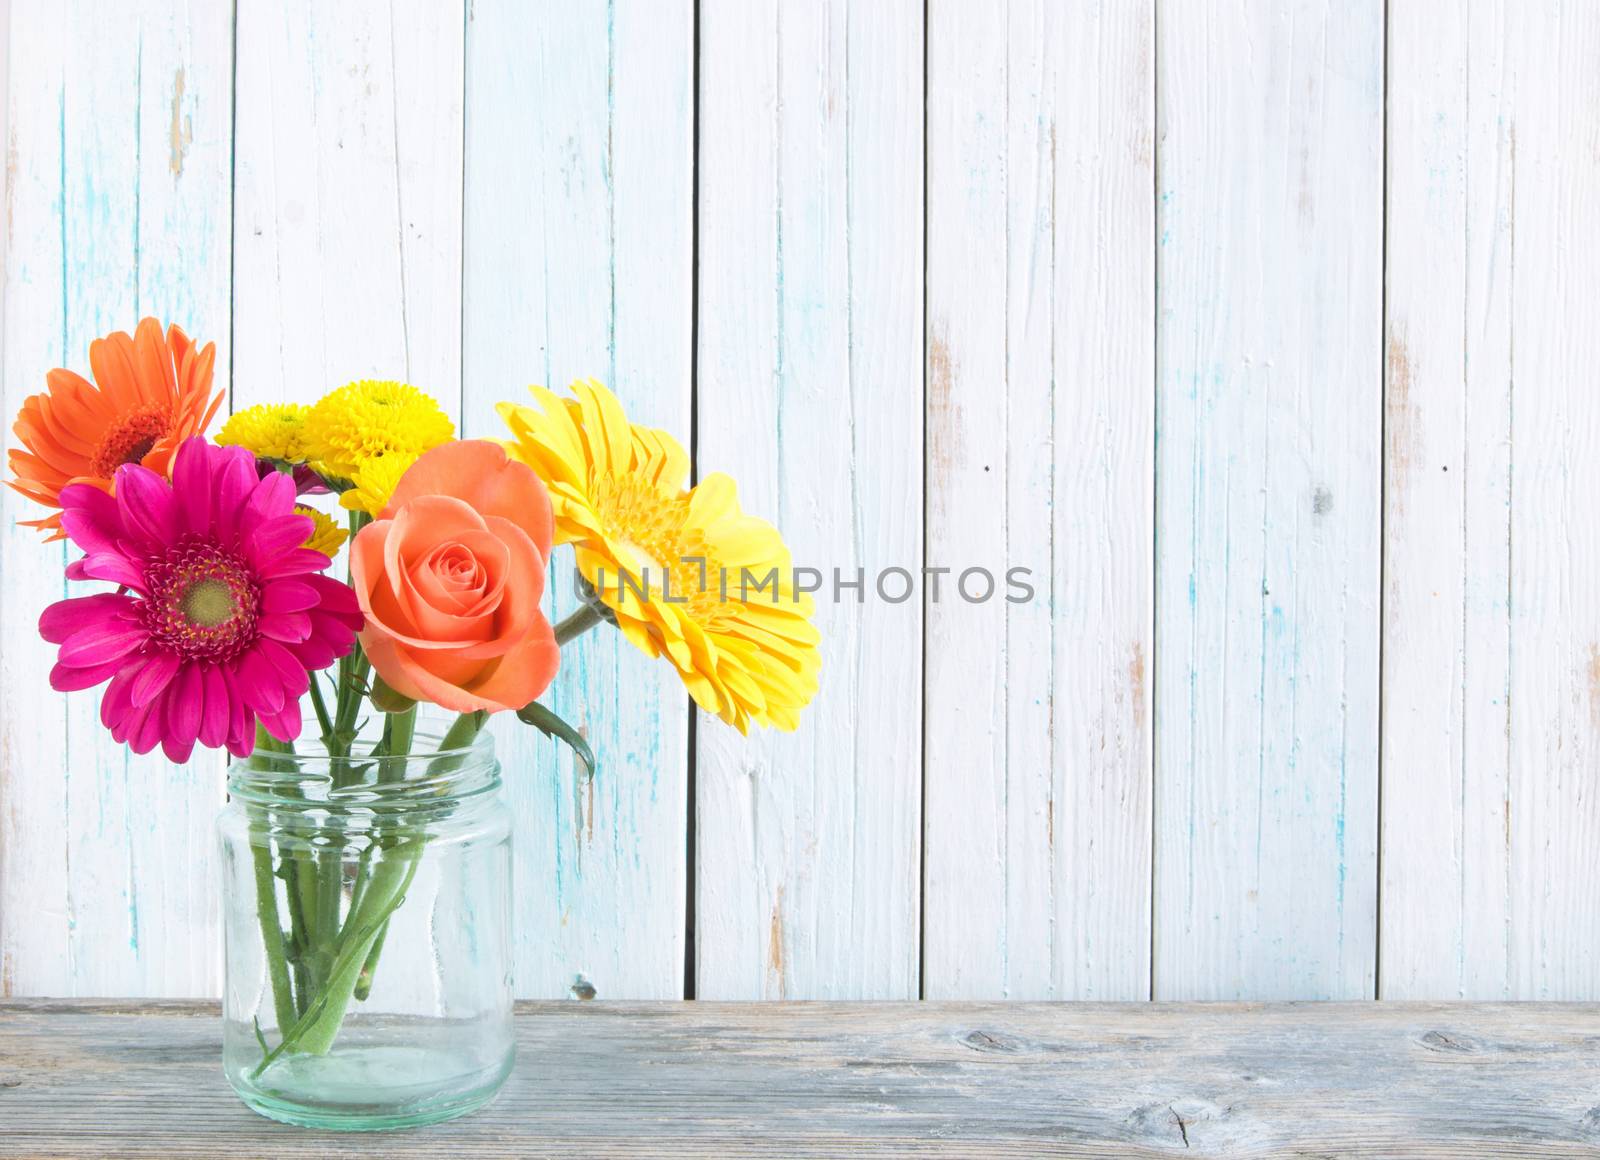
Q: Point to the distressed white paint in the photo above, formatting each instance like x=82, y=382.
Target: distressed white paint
x=109, y=216
x=810, y=396
x=347, y=260
x=1448, y=393
x=1040, y=421
x=478, y=195
x=578, y=264
x=1269, y=282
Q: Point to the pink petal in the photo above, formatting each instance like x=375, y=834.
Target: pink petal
x=93, y=524
x=336, y=598
x=258, y=683
x=183, y=704
x=144, y=501
x=316, y=654
x=191, y=482
x=273, y=497
x=284, y=724
x=293, y=563
x=108, y=566
x=275, y=536
x=288, y=596
x=148, y=732
x=65, y=617
x=69, y=679
x=292, y=627
x=214, y=714
x=118, y=700
x=235, y=481
x=158, y=670
x=295, y=678
x=100, y=643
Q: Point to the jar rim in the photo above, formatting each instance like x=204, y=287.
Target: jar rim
x=311, y=776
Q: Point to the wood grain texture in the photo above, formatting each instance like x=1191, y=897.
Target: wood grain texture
x=579, y=220
x=117, y=206
x=1269, y=449
x=1492, y=682
x=810, y=396
x=347, y=261
x=817, y=1079
x=1040, y=414
x=1447, y=871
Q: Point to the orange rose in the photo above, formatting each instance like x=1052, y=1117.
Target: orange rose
x=450, y=578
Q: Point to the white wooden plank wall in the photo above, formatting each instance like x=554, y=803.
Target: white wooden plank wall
x=1040, y=421
x=1261, y=332
x=1269, y=296
x=1492, y=681
x=810, y=396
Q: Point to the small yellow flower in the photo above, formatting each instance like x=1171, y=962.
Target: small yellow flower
x=375, y=481
x=370, y=420
x=617, y=493
x=326, y=536
x=268, y=431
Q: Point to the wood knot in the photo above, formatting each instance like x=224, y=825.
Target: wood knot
x=582, y=988
x=990, y=1041
x=1449, y=1042
x=10, y=1081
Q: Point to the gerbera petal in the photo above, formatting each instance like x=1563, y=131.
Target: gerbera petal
x=184, y=702
x=288, y=596
x=191, y=480
x=275, y=536
x=65, y=617
x=290, y=627
x=258, y=683
x=110, y=566
x=66, y=678
x=215, y=711
x=144, y=501
x=285, y=723
x=158, y=671
x=103, y=642
x=291, y=672
x=294, y=563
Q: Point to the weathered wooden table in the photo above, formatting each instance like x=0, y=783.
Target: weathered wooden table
x=811, y=1079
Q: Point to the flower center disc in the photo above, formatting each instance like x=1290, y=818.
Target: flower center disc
x=208, y=603
x=130, y=440
x=203, y=601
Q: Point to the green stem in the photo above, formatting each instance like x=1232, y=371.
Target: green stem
x=271, y=927
x=316, y=1030
x=579, y=622
x=400, y=728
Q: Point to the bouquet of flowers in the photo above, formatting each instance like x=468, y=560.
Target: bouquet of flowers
x=217, y=620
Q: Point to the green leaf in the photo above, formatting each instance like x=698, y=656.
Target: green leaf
x=550, y=725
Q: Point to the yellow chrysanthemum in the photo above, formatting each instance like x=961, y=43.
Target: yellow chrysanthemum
x=326, y=537
x=369, y=420
x=375, y=481
x=268, y=431
x=617, y=493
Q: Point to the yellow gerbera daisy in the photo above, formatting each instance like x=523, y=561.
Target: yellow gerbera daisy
x=326, y=536
x=374, y=482
x=371, y=419
x=679, y=569
x=268, y=431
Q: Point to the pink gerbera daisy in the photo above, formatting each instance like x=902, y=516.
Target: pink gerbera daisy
x=221, y=614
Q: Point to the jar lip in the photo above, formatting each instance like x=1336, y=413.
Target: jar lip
x=312, y=776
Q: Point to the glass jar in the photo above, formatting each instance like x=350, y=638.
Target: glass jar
x=367, y=914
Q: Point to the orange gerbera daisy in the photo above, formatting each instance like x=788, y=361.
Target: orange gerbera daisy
x=149, y=394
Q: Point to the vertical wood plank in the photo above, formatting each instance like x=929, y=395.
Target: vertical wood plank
x=1555, y=536
x=578, y=263
x=1040, y=416
x=1268, y=361
x=1447, y=556
x=1492, y=690
x=348, y=216
x=117, y=206
x=810, y=395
